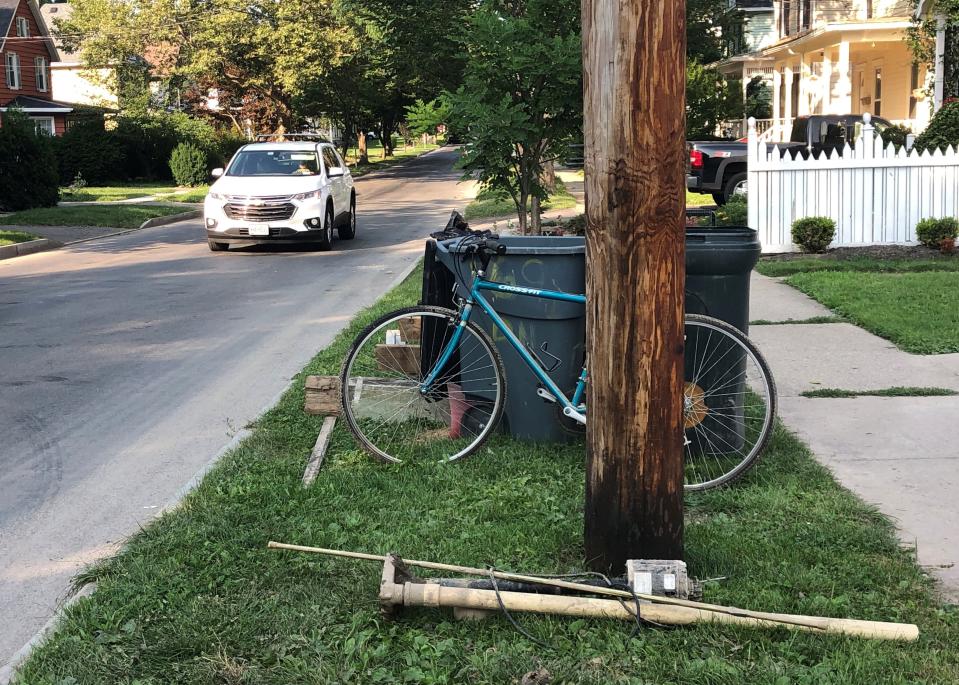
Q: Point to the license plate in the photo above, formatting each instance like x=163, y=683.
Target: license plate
x=260, y=229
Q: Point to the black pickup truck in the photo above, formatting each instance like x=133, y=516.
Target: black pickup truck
x=718, y=168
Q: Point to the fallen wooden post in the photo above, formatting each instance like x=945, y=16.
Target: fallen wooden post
x=701, y=611
x=315, y=462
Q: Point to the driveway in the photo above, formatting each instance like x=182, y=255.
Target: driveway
x=127, y=363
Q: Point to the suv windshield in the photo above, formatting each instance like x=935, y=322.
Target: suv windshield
x=275, y=163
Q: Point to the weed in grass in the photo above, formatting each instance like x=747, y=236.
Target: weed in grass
x=897, y=391
x=197, y=598
x=916, y=311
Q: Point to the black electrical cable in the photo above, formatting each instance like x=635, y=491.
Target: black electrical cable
x=509, y=617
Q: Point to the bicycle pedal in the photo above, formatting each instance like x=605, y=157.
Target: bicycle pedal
x=546, y=395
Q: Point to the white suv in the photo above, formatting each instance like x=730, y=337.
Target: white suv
x=281, y=192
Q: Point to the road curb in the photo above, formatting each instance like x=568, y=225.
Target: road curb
x=28, y=247
x=171, y=219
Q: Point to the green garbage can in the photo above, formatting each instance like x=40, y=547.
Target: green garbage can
x=554, y=331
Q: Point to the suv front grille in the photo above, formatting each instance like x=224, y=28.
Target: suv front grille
x=259, y=213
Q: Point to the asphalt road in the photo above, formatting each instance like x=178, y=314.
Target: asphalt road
x=127, y=363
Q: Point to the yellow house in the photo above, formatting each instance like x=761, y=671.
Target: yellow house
x=846, y=57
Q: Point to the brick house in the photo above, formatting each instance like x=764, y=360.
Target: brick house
x=26, y=52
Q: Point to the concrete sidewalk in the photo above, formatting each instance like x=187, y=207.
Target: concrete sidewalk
x=898, y=453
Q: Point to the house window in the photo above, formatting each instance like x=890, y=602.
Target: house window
x=913, y=87
x=784, y=18
x=44, y=126
x=13, y=70
x=806, y=14
x=23, y=27
x=43, y=75
x=868, y=9
x=877, y=94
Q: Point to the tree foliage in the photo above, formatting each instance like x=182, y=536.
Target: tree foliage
x=28, y=167
x=426, y=117
x=710, y=99
x=521, y=97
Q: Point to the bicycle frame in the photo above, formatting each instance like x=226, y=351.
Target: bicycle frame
x=574, y=406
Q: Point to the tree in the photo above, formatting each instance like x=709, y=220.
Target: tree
x=521, y=97
x=709, y=100
x=758, y=99
x=426, y=117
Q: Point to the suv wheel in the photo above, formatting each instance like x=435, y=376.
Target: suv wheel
x=217, y=247
x=326, y=242
x=348, y=230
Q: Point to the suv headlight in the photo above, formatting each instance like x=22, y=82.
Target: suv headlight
x=313, y=194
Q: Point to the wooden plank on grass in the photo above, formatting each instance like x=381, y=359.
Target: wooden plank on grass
x=315, y=463
x=322, y=396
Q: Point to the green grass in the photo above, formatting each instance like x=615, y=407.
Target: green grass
x=114, y=193
x=490, y=204
x=789, y=267
x=196, y=597
x=811, y=319
x=916, y=311
x=12, y=237
x=377, y=161
x=195, y=195
x=698, y=200
x=116, y=216
x=897, y=391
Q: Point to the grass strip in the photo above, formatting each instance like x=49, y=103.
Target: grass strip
x=789, y=267
x=115, y=216
x=897, y=391
x=13, y=237
x=125, y=191
x=916, y=311
x=378, y=162
x=811, y=320
x=196, y=597
x=489, y=204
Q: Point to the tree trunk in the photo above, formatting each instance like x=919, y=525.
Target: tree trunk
x=361, y=152
x=633, y=52
x=549, y=176
x=386, y=133
x=536, y=222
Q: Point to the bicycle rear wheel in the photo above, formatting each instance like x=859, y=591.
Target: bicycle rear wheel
x=729, y=403
x=385, y=404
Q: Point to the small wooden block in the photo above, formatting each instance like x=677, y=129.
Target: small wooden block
x=399, y=358
x=410, y=329
x=322, y=396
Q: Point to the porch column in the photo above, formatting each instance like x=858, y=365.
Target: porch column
x=804, y=76
x=843, y=94
x=826, y=86
x=939, y=89
x=788, y=85
x=777, y=85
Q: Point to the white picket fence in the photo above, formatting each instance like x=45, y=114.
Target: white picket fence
x=873, y=192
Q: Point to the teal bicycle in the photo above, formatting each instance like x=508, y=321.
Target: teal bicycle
x=427, y=383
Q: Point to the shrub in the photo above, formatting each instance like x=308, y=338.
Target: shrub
x=87, y=150
x=931, y=232
x=189, y=165
x=814, y=233
x=942, y=131
x=895, y=135
x=225, y=146
x=28, y=166
x=733, y=213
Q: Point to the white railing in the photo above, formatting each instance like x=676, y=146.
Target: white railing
x=736, y=128
x=875, y=193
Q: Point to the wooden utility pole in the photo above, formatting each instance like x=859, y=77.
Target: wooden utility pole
x=634, y=62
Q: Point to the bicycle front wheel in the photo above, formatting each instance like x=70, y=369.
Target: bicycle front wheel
x=729, y=403
x=417, y=384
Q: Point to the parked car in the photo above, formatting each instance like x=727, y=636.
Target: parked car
x=293, y=192
x=718, y=168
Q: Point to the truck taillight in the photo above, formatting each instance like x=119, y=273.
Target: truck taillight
x=695, y=159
